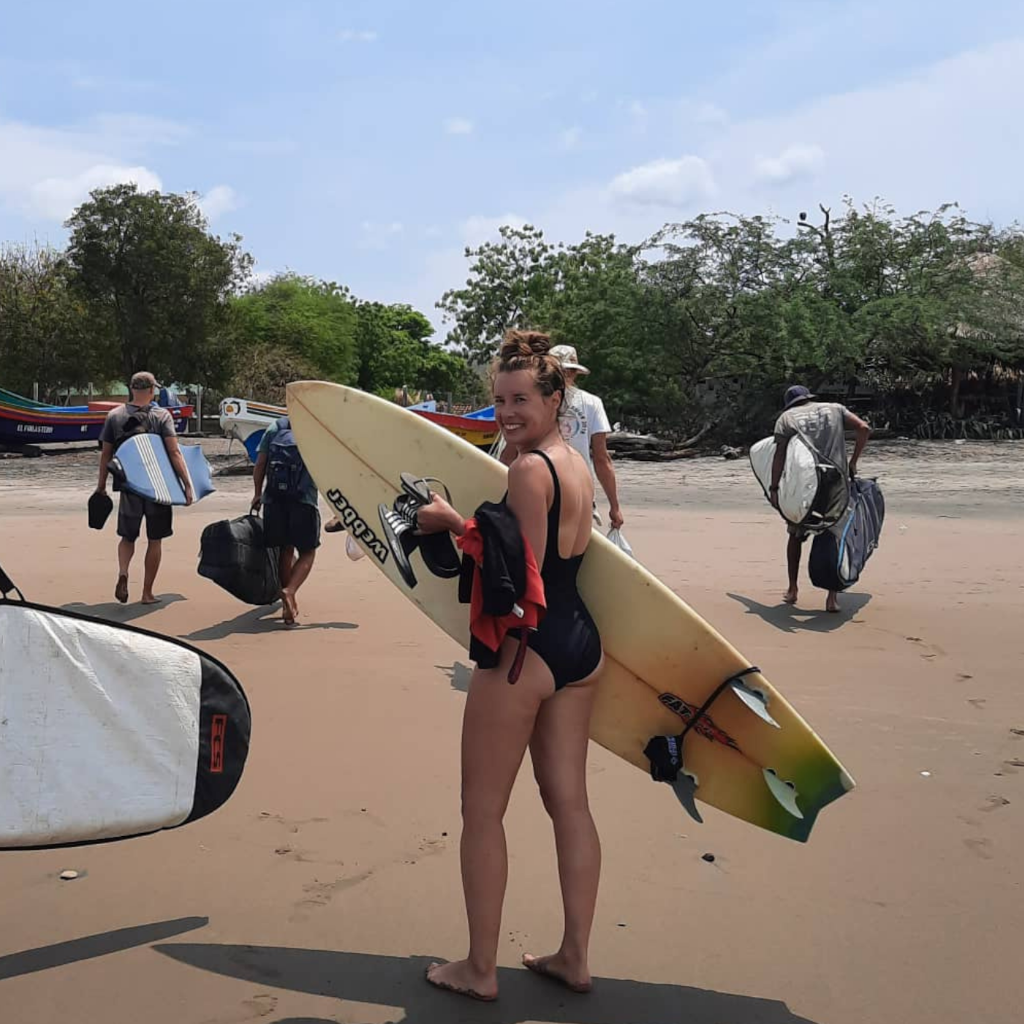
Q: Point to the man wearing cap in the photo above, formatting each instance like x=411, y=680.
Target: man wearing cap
x=140, y=416
x=824, y=426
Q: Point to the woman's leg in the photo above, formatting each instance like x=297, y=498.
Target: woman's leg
x=496, y=728
x=559, y=753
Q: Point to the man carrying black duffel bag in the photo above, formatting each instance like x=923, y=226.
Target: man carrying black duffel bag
x=291, y=517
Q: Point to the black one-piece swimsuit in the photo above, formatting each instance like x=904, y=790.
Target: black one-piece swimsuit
x=567, y=638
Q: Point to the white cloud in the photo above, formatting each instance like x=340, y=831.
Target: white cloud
x=671, y=183
x=477, y=229
x=56, y=198
x=219, y=200
x=569, y=139
x=458, y=126
x=351, y=35
x=797, y=161
x=46, y=172
x=379, y=236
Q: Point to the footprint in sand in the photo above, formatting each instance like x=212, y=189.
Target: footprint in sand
x=321, y=893
x=980, y=847
x=250, y=1009
x=993, y=803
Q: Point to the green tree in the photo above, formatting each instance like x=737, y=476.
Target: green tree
x=395, y=351
x=155, y=283
x=43, y=336
x=509, y=280
x=312, y=319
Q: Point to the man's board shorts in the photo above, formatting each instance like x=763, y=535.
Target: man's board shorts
x=133, y=508
x=291, y=524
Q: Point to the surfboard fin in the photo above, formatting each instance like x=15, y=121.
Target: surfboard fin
x=754, y=701
x=685, y=789
x=784, y=792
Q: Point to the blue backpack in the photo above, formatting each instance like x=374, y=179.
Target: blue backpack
x=287, y=476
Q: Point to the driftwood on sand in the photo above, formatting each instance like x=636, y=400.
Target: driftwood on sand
x=648, y=448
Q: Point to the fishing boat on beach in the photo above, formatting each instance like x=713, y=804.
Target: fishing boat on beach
x=25, y=421
x=245, y=421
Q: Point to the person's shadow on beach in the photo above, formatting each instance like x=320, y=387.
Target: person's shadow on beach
x=264, y=619
x=791, y=618
x=394, y=981
x=114, y=611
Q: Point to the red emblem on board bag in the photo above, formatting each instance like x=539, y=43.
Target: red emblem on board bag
x=218, y=729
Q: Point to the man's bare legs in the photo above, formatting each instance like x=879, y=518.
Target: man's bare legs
x=125, y=550
x=154, y=552
x=793, y=551
x=293, y=572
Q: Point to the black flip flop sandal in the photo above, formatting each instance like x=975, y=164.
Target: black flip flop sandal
x=437, y=549
x=399, y=528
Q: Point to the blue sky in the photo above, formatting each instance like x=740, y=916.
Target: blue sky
x=368, y=143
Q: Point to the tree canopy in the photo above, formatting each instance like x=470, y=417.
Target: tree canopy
x=711, y=318
x=706, y=321
x=155, y=284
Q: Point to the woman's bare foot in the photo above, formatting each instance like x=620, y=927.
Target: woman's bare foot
x=574, y=977
x=463, y=979
x=149, y=599
x=291, y=607
x=832, y=604
x=790, y=596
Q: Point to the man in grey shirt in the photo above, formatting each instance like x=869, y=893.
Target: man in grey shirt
x=140, y=416
x=824, y=426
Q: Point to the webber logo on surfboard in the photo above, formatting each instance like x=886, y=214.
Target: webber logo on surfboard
x=354, y=522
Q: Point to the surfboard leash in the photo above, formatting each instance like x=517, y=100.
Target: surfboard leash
x=666, y=752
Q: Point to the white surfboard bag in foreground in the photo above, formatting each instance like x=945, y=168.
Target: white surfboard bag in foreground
x=108, y=731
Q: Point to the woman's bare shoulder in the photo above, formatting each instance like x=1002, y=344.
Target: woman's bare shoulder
x=529, y=470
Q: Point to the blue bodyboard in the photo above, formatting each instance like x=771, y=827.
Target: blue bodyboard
x=143, y=467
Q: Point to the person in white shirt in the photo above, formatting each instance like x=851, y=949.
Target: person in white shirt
x=584, y=425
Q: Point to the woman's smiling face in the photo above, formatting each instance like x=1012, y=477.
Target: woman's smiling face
x=524, y=414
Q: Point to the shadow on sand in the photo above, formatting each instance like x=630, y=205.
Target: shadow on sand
x=399, y=982
x=264, y=619
x=459, y=675
x=114, y=611
x=791, y=619
x=31, y=960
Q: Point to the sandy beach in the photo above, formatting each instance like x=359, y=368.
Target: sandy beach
x=322, y=889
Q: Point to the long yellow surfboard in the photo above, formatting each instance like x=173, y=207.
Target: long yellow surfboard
x=749, y=753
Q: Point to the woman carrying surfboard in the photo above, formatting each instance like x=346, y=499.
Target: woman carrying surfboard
x=550, y=492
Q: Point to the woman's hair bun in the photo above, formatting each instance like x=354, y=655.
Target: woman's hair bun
x=523, y=344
